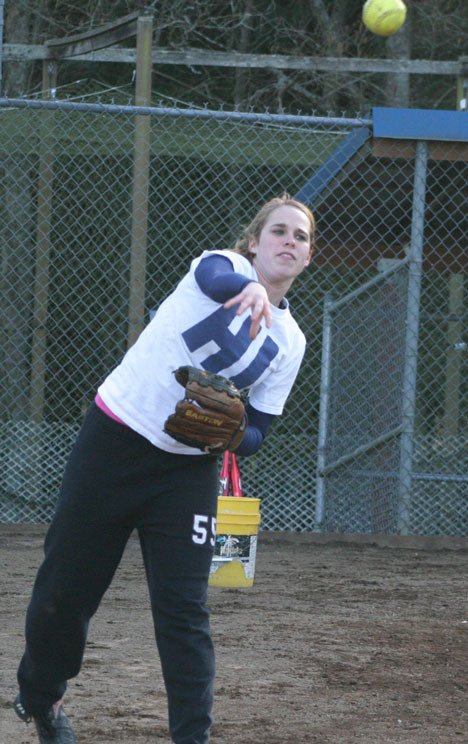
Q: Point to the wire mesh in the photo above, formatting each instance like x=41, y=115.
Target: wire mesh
x=80, y=277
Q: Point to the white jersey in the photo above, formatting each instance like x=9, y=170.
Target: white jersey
x=189, y=328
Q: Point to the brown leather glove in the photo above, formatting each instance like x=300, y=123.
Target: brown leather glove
x=211, y=416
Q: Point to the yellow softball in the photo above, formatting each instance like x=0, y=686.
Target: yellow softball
x=384, y=17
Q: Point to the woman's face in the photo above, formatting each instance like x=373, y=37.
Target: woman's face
x=283, y=248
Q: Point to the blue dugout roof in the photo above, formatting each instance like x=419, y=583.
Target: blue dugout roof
x=420, y=124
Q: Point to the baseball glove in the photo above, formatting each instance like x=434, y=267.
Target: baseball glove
x=211, y=416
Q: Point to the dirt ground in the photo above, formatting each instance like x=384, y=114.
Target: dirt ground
x=336, y=643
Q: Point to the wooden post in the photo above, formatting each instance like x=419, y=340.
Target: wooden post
x=43, y=246
x=33, y=456
x=141, y=167
x=462, y=85
x=451, y=415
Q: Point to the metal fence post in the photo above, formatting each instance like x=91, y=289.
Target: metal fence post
x=411, y=341
x=323, y=415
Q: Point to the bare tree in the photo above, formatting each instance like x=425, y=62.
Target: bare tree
x=17, y=29
x=435, y=29
x=332, y=25
x=398, y=46
x=246, y=29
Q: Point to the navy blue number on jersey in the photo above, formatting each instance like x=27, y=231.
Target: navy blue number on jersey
x=232, y=346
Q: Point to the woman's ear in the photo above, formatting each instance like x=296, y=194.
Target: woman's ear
x=311, y=255
x=252, y=245
x=308, y=258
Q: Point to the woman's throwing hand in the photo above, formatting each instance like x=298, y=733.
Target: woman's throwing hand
x=255, y=297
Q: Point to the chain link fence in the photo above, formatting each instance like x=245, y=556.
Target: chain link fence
x=102, y=209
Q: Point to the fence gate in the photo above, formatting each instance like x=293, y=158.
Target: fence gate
x=361, y=424
x=366, y=475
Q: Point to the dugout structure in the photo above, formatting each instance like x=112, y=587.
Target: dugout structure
x=366, y=474
x=67, y=203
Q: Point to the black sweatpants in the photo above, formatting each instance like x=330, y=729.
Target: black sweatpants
x=116, y=481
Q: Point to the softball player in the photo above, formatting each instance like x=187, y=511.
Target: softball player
x=228, y=315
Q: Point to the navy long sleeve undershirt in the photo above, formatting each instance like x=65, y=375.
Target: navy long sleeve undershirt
x=217, y=279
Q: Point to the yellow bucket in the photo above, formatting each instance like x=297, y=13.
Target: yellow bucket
x=238, y=522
